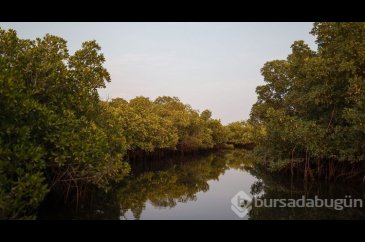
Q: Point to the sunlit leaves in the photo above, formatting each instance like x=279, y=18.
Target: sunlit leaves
x=166, y=123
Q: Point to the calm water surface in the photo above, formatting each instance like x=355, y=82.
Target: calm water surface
x=201, y=187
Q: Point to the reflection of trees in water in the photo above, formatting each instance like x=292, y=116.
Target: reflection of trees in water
x=97, y=205
x=257, y=187
x=163, y=183
x=178, y=183
x=167, y=182
x=278, y=187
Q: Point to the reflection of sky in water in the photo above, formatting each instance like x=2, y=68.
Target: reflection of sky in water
x=213, y=204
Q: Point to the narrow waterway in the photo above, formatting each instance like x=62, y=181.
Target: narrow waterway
x=221, y=185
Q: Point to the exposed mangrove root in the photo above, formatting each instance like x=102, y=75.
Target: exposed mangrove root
x=329, y=170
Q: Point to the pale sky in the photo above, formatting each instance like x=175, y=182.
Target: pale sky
x=213, y=66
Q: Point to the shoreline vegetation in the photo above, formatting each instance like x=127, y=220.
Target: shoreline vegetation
x=312, y=108
x=57, y=135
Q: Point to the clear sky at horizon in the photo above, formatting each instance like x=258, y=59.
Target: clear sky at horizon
x=213, y=66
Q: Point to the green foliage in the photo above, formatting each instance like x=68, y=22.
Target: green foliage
x=56, y=133
x=53, y=128
x=240, y=133
x=312, y=106
x=166, y=124
x=143, y=128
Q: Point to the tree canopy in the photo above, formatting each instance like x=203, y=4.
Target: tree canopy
x=312, y=105
x=57, y=134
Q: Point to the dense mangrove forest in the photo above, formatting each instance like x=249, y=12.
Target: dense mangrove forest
x=60, y=143
x=312, y=107
x=57, y=134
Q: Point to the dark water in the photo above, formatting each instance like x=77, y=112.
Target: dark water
x=202, y=187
